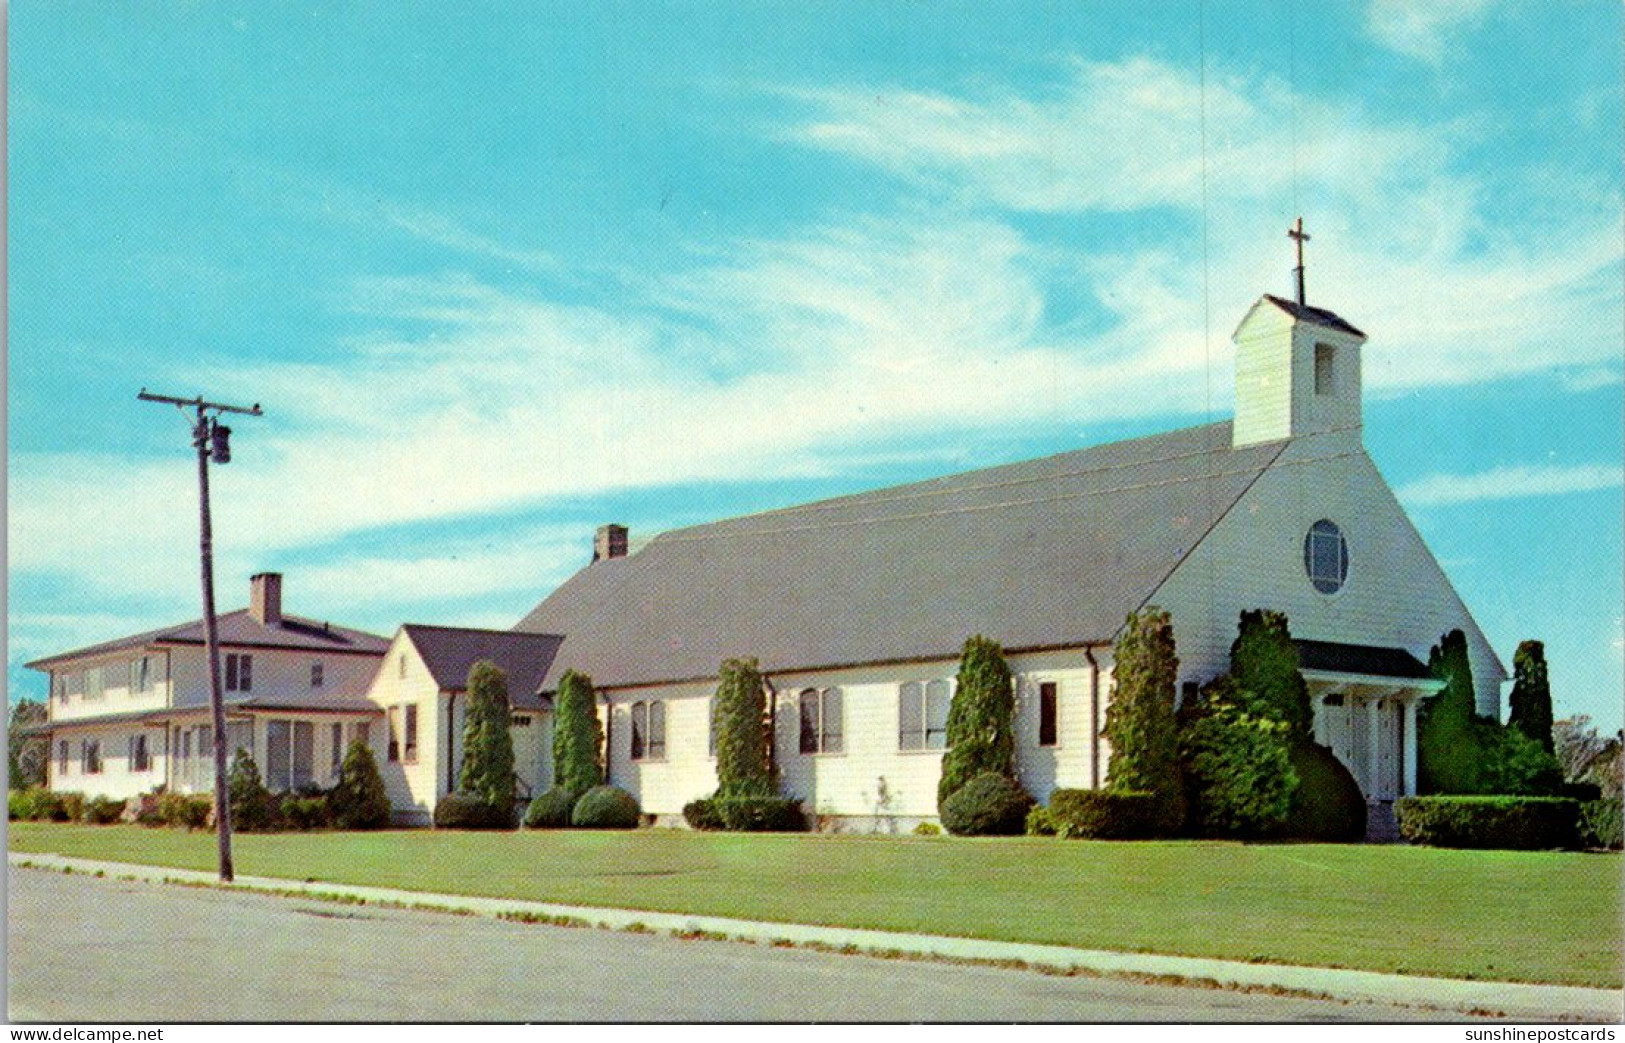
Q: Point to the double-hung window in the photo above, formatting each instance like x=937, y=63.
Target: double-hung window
x=821, y=724
x=140, y=760
x=403, y=733
x=239, y=672
x=316, y=675
x=62, y=757
x=289, y=755
x=922, y=715
x=90, y=756
x=336, y=755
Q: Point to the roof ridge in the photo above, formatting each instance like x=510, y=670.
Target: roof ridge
x=918, y=489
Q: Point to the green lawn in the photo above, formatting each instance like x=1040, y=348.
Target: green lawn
x=1518, y=916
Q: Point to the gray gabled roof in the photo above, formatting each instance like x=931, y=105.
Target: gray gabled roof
x=449, y=653
x=240, y=629
x=1309, y=313
x=1048, y=553
x=1368, y=660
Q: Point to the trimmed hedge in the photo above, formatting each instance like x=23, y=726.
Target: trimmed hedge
x=1040, y=822
x=467, y=811
x=760, y=814
x=1512, y=823
x=606, y=807
x=989, y=805
x=1327, y=806
x=551, y=808
x=1105, y=814
x=1600, y=824
x=703, y=815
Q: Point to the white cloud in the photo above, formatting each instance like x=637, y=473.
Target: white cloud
x=1422, y=30
x=1510, y=483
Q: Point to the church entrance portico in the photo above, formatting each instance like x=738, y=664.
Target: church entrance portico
x=1365, y=703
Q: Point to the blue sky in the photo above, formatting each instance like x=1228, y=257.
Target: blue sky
x=501, y=272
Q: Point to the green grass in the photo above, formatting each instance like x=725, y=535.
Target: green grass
x=1507, y=915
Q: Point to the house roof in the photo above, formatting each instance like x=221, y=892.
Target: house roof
x=1369, y=660
x=268, y=703
x=240, y=629
x=1047, y=553
x=1309, y=313
x=449, y=653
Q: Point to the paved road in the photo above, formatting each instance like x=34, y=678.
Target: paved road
x=87, y=949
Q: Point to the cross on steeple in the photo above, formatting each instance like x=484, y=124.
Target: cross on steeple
x=1297, y=232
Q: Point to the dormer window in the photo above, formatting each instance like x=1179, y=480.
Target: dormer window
x=1325, y=369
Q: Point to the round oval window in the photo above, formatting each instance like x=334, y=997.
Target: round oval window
x=1326, y=557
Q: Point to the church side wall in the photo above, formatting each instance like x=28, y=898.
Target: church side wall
x=871, y=784
x=1395, y=593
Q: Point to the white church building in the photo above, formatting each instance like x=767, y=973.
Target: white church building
x=856, y=609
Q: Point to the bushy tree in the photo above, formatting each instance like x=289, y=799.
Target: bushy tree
x=1449, y=737
x=26, y=755
x=1140, y=720
x=252, y=806
x=1264, y=662
x=1530, y=705
x=744, y=753
x=487, y=742
x=1238, y=765
x=578, y=735
x=1515, y=764
x=1586, y=756
x=359, y=801
x=980, y=737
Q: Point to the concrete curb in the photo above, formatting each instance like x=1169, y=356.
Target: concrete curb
x=1515, y=1000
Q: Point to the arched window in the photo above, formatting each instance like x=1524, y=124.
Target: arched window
x=1326, y=556
x=821, y=725
x=655, y=747
x=640, y=729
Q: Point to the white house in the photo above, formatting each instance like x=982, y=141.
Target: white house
x=128, y=715
x=857, y=607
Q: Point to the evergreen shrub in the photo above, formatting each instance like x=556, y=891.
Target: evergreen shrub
x=703, y=815
x=980, y=738
x=551, y=808
x=468, y=811
x=185, y=811
x=359, y=801
x=1140, y=721
x=1105, y=814
x=300, y=812
x=990, y=804
x=1511, y=823
x=606, y=807
x=103, y=811
x=1327, y=806
x=488, y=740
x=744, y=741
x=1600, y=824
x=1040, y=822
x=764, y=814
x=578, y=735
x=253, y=807
x=70, y=807
x=36, y=804
x=1238, y=766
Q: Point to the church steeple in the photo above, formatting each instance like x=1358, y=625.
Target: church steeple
x=1297, y=367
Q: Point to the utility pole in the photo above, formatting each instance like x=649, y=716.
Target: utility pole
x=212, y=440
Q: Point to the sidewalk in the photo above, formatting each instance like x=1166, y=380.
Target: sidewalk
x=1521, y=1002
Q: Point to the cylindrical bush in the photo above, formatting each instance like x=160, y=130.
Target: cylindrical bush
x=551, y=809
x=989, y=804
x=605, y=807
x=1104, y=814
x=1512, y=823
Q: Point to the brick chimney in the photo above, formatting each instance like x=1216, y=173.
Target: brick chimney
x=265, y=598
x=609, y=542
